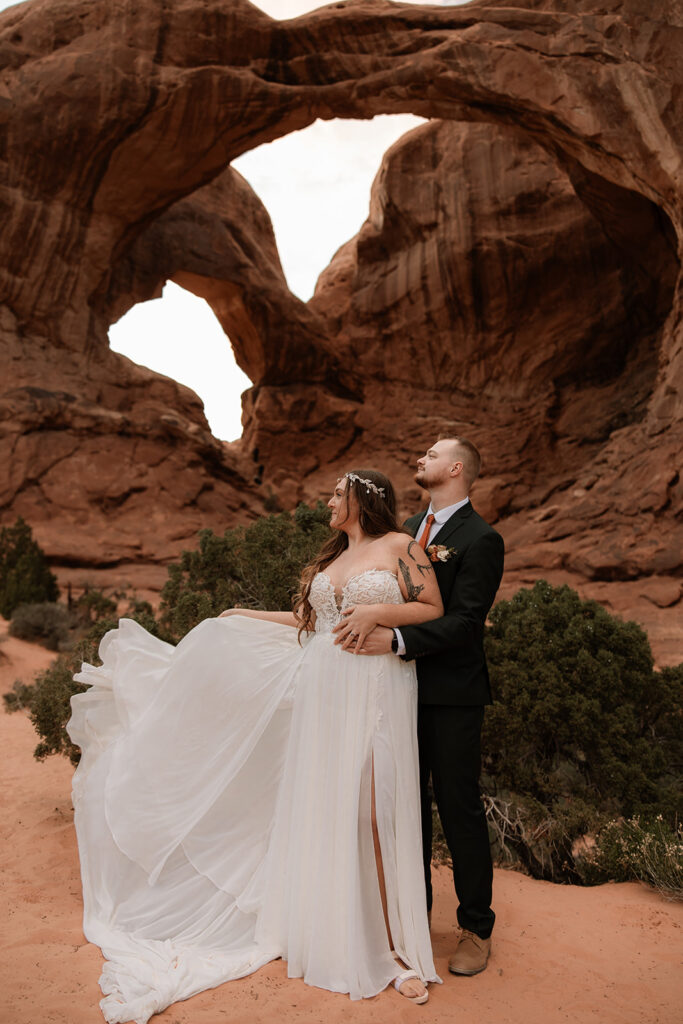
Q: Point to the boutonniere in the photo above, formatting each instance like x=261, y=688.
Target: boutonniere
x=440, y=553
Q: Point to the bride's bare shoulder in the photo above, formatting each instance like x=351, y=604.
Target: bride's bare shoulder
x=403, y=545
x=399, y=541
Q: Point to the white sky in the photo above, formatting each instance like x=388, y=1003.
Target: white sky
x=315, y=185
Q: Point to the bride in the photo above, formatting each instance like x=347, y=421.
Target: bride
x=246, y=796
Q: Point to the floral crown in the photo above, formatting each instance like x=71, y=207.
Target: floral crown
x=369, y=485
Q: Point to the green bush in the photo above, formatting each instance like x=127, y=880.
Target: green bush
x=257, y=566
x=526, y=835
x=143, y=613
x=46, y=624
x=651, y=851
x=93, y=605
x=19, y=697
x=50, y=708
x=24, y=575
x=583, y=728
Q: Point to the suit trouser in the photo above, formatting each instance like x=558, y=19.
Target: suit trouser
x=450, y=754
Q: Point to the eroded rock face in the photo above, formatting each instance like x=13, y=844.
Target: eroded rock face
x=518, y=278
x=483, y=297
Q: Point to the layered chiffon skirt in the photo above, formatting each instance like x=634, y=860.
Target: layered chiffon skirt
x=223, y=813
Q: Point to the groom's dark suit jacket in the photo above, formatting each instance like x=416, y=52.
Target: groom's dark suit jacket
x=451, y=667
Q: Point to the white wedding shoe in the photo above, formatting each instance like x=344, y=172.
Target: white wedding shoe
x=410, y=976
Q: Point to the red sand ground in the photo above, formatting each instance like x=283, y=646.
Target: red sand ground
x=609, y=954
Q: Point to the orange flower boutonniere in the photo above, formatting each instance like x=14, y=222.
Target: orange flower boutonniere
x=440, y=553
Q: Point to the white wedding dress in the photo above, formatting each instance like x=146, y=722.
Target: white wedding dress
x=222, y=807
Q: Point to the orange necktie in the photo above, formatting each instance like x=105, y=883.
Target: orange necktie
x=425, y=533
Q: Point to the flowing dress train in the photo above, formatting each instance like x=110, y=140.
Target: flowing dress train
x=222, y=807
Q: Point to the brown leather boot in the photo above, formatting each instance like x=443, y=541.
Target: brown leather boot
x=471, y=954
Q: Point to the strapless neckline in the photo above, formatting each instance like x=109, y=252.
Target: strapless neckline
x=357, y=575
x=370, y=586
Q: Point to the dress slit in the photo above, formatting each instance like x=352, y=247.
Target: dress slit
x=367, y=860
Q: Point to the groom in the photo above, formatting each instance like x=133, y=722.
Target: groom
x=453, y=683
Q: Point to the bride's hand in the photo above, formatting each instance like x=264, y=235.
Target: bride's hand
x=357, y=623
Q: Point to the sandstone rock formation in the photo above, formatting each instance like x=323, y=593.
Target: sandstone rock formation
x=518, y=277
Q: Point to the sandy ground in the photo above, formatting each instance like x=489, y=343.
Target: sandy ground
x=609, y=954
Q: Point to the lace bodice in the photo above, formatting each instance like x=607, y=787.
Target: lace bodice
x=373, y=586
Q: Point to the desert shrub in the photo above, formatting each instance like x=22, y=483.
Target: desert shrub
x=24, y=574
x=93, y=605
x=531, y=837
x=583, y=728
x=19, y=697
x=46, y=624
x=143, y=613
x=254, y=566
x=669, y=692
x=50, y=709
x=651, y=851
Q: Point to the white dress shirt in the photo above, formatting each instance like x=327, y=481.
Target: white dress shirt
x=440, y=517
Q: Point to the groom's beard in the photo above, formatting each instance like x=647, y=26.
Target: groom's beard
x=422, y=480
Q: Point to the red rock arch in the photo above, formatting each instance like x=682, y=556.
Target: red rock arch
x=120, y=121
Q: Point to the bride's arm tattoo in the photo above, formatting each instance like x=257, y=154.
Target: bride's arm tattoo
x=422, y=566
x=412, y=591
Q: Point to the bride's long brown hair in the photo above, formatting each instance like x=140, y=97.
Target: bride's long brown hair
x=376, y=516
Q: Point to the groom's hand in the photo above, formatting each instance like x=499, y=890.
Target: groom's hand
x=378, y=642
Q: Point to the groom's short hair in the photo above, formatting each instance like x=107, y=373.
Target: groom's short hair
x=468, y=454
